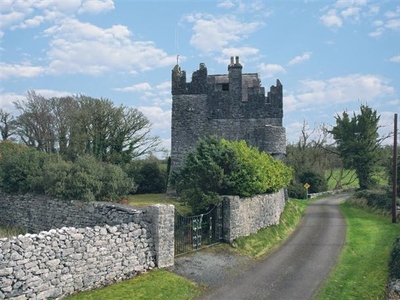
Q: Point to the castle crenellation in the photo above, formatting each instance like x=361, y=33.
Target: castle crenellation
x=234, y=106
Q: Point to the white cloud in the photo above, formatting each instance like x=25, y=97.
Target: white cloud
x=140, y=87
x=270, y=70
x=350, y=3
x=378, y=23
x=245, y=54
x=343, y=89
x=96, y=6
x=213, y=33
x=351, y=12
x=226, y=4
x=72, y=44
x=26, y=14
x=11, y=18
x=330, y=19
x=393, y=14
x=7, y=99
x=395, y=59
x=376, y=33
x=17, y=70
x=393, y=24
x=373, y=10
x=161, y=119
x=300, y=58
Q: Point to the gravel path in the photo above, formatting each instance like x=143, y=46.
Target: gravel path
x=294, y=271
x=213, y=266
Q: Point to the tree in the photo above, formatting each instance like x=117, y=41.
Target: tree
x=357, y=141
x=150, y=175
x=220, y=167
x=7, y=125
x=79, y=125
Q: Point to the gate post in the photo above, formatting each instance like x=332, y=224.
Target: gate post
x=161, y=217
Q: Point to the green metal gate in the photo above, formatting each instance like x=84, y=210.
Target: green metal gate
x=192, y=233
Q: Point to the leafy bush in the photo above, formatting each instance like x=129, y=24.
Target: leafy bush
x=220, y=167
x=150, y=175
x=381, y=199
x=394, y=264
x=115, y=183
x=317, y=182
x=20, y=168
x=24, y=169
x=297, y=191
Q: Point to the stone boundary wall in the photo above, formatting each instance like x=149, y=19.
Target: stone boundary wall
x=244, y=216
x=113, y=242
x=39, y=213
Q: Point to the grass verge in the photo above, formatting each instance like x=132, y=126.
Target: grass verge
x=154, y=285
x=362, y=268
x=265, y=240
x=144, y=200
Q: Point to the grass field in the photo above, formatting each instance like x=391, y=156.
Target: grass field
x=154, y=285
x=143, y=200
x=362, y=270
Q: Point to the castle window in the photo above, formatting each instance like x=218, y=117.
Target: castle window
x=225, y=86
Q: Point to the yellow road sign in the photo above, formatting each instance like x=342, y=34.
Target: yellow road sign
x=306, y=186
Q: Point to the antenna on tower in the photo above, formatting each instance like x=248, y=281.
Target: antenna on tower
x=177, y=46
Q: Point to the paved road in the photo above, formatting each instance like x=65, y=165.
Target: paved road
x=297, y=269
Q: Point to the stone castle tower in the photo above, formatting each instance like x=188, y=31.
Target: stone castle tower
x=233, y=106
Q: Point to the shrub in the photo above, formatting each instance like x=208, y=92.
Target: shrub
x=394, y=264
x=317, y=182
x=380, y=199
x=149, y=176
x=297, y=191
x=24, y=169
x=220, y=167
x=21, y=168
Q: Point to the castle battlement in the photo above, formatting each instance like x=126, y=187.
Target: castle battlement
x=234, y=106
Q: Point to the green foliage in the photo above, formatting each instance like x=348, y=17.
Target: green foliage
x=24, y=169
x=357, y=141
x=394, y=264
x=381, y=199
x=20, y=168
x=149, y=174
x=79, y=125
x=297, y=191
x=219, y=167
x=317, y=182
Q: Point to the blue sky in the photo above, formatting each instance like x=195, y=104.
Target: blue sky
x=329, y=55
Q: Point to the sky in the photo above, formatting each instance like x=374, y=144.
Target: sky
x=330, y=56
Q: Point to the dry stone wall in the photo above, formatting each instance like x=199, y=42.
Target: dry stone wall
x=108, y=243
x=244, y=216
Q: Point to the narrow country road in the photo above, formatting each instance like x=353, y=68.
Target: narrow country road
x=298, y=268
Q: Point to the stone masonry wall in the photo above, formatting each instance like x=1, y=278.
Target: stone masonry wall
x=244, y=216
x=113, y=242
x=38, y=213
x=60, y=261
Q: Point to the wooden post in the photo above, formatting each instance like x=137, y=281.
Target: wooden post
x=394, y=202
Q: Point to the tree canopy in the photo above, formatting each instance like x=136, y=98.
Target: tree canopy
x=80, y=125
x=358, y=141
x=220, y=167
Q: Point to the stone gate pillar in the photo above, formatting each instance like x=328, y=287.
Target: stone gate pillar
x=161, y=218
